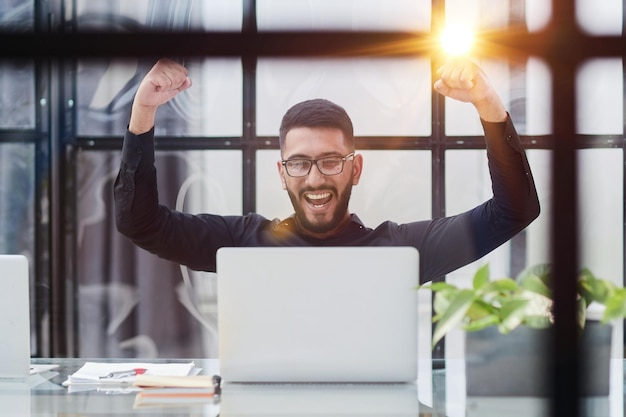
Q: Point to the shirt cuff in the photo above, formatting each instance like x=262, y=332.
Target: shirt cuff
x=137, y=148
x=495, y=132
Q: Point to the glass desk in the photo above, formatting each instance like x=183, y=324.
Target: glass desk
x=438, y=392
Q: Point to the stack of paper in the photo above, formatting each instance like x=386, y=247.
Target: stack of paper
x=93, y=375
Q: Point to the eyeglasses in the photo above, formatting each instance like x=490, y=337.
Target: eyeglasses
x=331, y=165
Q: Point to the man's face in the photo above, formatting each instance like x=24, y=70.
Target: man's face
x=320, y=201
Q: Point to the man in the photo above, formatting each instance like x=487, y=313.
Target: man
x=318, y=169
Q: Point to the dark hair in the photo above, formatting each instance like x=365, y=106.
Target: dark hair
x=317, y=113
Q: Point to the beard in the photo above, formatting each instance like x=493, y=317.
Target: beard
x=320, y=225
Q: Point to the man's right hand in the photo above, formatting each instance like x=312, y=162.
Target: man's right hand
x=163, y=82
x=463, y=80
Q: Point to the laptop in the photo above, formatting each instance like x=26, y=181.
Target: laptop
x=318, y=314
x=14, y=317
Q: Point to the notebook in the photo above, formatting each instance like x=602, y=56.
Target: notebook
x=14, y=317
x=318, y=314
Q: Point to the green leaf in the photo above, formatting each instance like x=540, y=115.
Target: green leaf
x=442, y=301
x=454, y=314
x=512, y=314
x=541, y=271
x=535, y=284
x=537, y=322
x=595, y=289
x=615, y=306
x=480, y=309
x=481, y=277
x=505, y=286
x=483, y=323
x=538, y=305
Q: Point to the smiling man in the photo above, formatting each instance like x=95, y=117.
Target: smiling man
x=319, y=166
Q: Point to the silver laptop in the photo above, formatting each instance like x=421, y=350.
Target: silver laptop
x=14, y=317
x=318, y=314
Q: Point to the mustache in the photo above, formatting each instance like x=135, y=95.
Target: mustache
x=330, y=189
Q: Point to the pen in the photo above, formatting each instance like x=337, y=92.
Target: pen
x=122, y=374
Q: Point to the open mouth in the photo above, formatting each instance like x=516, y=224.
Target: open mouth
x=318, y=199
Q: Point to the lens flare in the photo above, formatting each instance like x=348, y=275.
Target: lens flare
x=457, y=40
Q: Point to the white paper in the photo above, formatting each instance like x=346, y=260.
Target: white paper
x=36, y=368
x=95, y=373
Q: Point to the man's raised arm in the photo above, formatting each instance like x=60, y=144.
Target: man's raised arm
x=137, y=212
x=468, y=236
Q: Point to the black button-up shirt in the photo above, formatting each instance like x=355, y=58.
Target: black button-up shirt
x=444, y=244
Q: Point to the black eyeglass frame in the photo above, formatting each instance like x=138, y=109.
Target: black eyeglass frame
x=348, y=157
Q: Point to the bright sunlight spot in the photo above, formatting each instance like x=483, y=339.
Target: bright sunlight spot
x=457, y=40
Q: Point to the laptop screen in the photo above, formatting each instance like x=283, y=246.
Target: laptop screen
x=318, y=314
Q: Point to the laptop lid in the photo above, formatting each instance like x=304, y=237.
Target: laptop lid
x=318, y=314
x=14, y=317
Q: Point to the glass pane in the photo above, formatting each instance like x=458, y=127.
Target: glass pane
x=395, y=185
x=175, y=15
x=384, y=97
x=600, y=97
x=132, y=303
x=536, y=98
x=17, y=15
x=391, y=15
x=211, y=107
x=601, y=219
x=17, y=101
x=538, y=232
x=17, y=214
x=601, y=203
x=538, y=14
x=17, y=195
x=600, y=17
x=271, y=200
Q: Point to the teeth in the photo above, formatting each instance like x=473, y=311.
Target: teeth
x=318, y=196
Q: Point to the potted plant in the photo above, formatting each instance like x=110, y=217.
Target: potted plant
x=506, y=323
